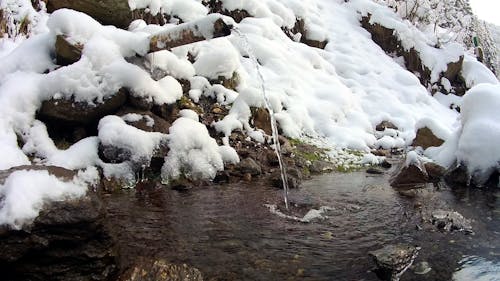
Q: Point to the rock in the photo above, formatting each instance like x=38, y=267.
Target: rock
x=300, y=29
x=110, y=12
x=374, y=171
x=425, y=138
x=66, y=52
x=422, y=268
x=320, y=166
x=262, y=120
x=385, y=125
x=385, y=164
x=71, y=112
x=381, y=152
x=294, y=178
x=409, y=177
x=160, y=270
x=393, y=260
x=434, y=171
x=140, y=103
x=411, y=193
x=149, y=122
x=67, y=241
x=250, y=166
x=113, y=154
x=450, y=221
x=457, y=176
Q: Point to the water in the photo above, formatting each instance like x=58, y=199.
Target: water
x=228, y=233
x=274, y=127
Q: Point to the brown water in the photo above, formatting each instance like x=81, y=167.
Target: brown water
x=228, y=233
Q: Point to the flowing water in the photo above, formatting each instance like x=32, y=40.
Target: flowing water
x=274, y=127
x=229, y=234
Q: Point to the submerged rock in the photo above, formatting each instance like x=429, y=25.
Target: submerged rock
x=450, y=221
x=393, y=260
x=67, y=241
x=161, y=270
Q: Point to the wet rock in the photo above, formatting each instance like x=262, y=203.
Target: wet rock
x=457, y=176
x=294, y=178
x=422, y=268
x=250, y=166
x=385, y=125
x=320, y=166
x=425, y=138
x=161, y=270
x=67, y=241
x=374, y=171
x=385, y=164
x=434, y=171
x=113, y=154
x=411, y=193
x=69, y=111
x=66, y=52
x=140, y=103
x=410, y=176
x=450, y=221
x=393, y=260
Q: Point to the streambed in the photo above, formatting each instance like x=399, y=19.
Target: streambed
x=228, y=233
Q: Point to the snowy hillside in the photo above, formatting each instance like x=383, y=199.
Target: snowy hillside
x=333, y=97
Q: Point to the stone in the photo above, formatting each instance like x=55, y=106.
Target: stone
x=66, y=52
x=434, y=171
x=67, y=241
x=250, y=166
x=425, y=138
x=262, y=120
x=71, y=112
x=320, y=166
x=385, y=125
x=374, y=171
x=160, y=270
x=457, y=176
x=150, y=122
x=294, y=178
x=450, y=221
x=422, y=268
x=140, y=103
x=409, y=176
x=393, y=260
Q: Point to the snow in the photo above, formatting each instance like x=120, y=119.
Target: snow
x=476, y=73
x=113, y=131
x=192, y=152
x=472, y=143
x=25, y=192
x=185, y=10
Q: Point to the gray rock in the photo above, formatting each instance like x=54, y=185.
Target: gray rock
x=248, y=165
x=393, y=260
x=451, y=221
x=422, y=268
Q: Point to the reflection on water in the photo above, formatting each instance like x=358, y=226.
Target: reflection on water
x=229, y=234
x=477, y=269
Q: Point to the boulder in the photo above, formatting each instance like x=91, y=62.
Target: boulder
x=410, y=176
x=434, y=171
x=385, y=125
x=72, y=112
x=149, y=122
x=451, y=221
x=66, y=52
x=67, y=241
x=262, y=120
x=393, y=260
x=250, y=166
x=425, y=138
x=160, y=270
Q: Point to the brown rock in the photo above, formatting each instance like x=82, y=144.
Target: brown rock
x=159, y=124
x=250, y=166
x=262, y=120
x=66, y=52
x=161, y=270
x=434, y=171
x=69, y=111
x=409, y=177
x=457, y=176
x=425, y=138
x=385, y=125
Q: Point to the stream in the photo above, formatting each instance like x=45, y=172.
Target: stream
x=228, y=233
